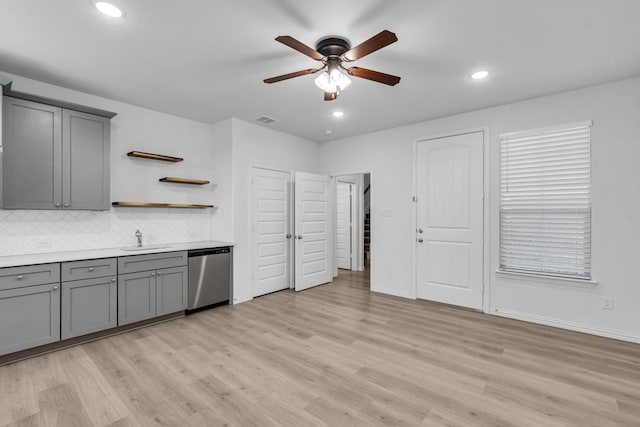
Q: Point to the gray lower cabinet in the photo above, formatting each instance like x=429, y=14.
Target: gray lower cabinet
x=171, y=290
x=88, y=305
x=29, y=317
x=136, y=297
x=53, y=158
x=152, y=285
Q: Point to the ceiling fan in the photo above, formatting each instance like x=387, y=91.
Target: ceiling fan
x=333, y=52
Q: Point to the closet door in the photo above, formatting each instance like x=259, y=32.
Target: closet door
x=271, y=231
x=313, y=231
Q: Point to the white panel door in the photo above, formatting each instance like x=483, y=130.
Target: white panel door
x=314, y=236
x=344, y=193
x=271, y=230
x=450, y=220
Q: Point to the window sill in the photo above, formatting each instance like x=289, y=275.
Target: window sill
x=540, y=278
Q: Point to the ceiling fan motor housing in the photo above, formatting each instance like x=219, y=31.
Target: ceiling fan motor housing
x=332, y=46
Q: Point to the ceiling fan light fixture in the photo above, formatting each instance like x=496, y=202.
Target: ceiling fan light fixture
x=334, y=82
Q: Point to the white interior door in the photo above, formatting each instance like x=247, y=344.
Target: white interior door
x=344, y=193
x=313, y=232
x=450, y=220
x=271, y=231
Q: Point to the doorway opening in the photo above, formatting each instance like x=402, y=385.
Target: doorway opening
x=353, y=229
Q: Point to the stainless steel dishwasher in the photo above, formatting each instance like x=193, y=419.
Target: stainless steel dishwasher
x=209, y=277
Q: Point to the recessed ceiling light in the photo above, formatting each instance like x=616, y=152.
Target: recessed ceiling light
x=479, y=75
x=108, y=9
x=338, y=114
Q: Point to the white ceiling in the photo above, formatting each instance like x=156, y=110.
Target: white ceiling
x=205, y=59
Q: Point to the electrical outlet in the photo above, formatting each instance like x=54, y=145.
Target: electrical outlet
x=44, y=243
x=607, y=303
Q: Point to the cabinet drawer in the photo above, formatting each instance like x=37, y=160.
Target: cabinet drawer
x=19, y=277
x=132, y=264
x=78, y=270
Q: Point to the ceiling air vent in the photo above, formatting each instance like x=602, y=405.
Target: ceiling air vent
x=266, y=120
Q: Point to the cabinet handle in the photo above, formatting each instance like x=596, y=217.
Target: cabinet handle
x=113, y=280
x=159, y=273
x=66, y=205
x=90, y=269
x=55, y=288
x=57, y=205
x=19, y=277
x=153, y=274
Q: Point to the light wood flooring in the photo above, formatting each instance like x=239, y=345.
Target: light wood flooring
x=333, y=355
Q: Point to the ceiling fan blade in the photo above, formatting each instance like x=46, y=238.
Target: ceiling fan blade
x=330, y=96
x=290, y=75
x=380, y=40
x=300, y=47
x=375, y=76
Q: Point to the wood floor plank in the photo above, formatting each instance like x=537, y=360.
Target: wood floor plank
x=333, y=355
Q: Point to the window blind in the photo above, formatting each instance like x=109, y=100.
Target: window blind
x=545, y=201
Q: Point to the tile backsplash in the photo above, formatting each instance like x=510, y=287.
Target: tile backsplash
x=25, y=232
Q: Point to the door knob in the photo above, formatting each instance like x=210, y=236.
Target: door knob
x=299, y=236
x=420, y=240
x=288, y=235
x=90, y=269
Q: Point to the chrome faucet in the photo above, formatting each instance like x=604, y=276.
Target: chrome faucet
x=139, y=237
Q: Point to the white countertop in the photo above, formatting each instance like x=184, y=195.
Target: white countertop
x=44, y=258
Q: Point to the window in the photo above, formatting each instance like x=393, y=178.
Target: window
x=545, y=201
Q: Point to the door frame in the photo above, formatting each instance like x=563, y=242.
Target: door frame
x=252, y=236
x=486, y=205
x=335, y=176
x=356, y=229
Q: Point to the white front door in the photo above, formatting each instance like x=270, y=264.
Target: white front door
x=271, y=228
x=344, y=192
x=449, y=237
x=313, y=232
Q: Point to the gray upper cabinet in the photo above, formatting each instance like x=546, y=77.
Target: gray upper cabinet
x=85, y=161
x=32, y=158
x=54, y=158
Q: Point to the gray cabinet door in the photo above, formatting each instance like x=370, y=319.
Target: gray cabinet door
x=88, y=306
x=85, y=161
x=32, y=158
x=29, y=317
x=171, y=290
x=136, y=297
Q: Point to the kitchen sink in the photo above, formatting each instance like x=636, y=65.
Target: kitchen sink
x=143, y=248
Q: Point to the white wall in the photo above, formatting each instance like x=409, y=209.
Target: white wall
x=615, y=110
x=134, y=128
x=255, y=145
x=222, y=170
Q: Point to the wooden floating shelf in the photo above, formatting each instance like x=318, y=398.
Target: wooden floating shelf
x=158, y=205
x=153, y=156
x=183, y=180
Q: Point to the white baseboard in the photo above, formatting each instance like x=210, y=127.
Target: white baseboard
x=393, y=292
x=241, y=300
x=607, y=333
